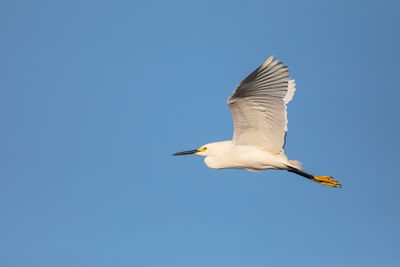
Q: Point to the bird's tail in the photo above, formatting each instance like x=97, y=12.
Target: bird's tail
x=295, y=164
x=324, y=180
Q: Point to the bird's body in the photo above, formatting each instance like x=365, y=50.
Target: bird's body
x=258, y=105
x=225, y=154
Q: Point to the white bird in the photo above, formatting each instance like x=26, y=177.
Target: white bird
x=258, y=105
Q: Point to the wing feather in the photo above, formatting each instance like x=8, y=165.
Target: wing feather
x=258, y=105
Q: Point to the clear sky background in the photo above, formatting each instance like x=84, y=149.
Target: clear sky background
x=96, y=96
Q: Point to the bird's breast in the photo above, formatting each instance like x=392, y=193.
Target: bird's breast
x=214, y=162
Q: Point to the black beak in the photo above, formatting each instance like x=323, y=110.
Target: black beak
x=185, y=152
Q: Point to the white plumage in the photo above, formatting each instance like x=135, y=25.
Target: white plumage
x=258, y=106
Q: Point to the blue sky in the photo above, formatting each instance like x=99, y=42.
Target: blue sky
x=97, y=95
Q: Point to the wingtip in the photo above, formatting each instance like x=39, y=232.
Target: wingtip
x=268, y=61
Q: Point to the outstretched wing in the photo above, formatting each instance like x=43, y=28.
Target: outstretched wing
x=258, y=105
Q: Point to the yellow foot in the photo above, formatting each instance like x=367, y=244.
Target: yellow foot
x=327, y=180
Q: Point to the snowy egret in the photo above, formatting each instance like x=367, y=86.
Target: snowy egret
x=258, y=105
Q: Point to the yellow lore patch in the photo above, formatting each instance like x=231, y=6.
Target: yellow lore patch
x=202, y=149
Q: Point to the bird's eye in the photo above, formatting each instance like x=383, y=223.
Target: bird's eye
x=202, y=149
